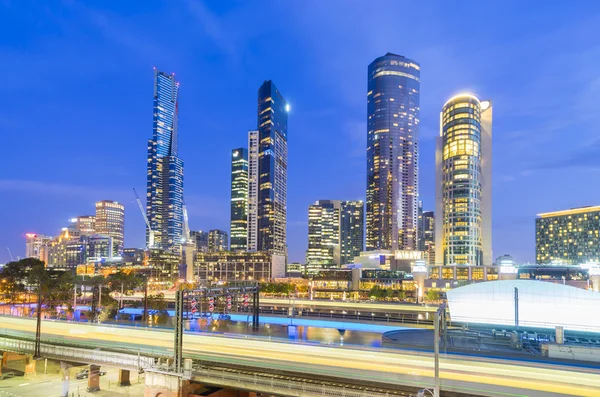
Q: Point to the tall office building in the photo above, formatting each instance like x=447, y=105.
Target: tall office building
x=335, y=233
x=272, y=170
x=464, y=183
x=392, y=153
x=200, y=238
x=86, y=224
x=164, y=202
x=252, y=224
x=426, y=233
x=323, y=234
x=352, y=219
x=218, y=240
x=110, y=221
x=34, y=245
x=568, y=237
x=238, y=230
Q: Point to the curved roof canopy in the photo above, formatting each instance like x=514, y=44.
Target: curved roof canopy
x=541, y=305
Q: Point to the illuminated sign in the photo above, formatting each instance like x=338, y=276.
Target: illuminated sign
x=409, y=255
x=30, y=235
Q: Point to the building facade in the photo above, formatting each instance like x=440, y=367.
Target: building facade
x=200, y=238
x=86, y=224
x=335, y=233
x=218, y=240
x=427, y=236
x=110, y=222
x=164, y=202
x=392, y=153
x=238, y=230
x=237, y=266
x=569, y=237
x=463, y=183
x=252, y=223
x=272, y=170
x=34, y=245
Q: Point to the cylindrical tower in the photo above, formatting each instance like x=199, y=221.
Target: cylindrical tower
x=460, y=172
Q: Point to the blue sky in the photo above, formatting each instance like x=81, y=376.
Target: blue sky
x=76, y=101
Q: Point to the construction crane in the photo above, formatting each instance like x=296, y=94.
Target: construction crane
x=10, y=254
x=150, y=231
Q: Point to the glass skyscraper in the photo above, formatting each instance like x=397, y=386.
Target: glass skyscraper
x=335, y=233
x=239, y=200
x=164, y=201
x=464, y=183
x=392, y=153
x=252, y=225
x=110, y=221
x=272, y=170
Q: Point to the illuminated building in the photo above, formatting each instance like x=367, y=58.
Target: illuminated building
x=218, y=241
x=335, y=233
x=272, y=170
x=238, y=266
x=392, y=153
x=426, y=233
x=252, y=224
x=239, y=200
x=110, y=222
x=352, y=230
x=323, y=235
x=164, y=201
x=569, y=237
x=86, y=224
x=464, y=183
x=200, y=238
x=34, y=244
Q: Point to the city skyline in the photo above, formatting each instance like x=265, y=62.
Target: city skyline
x=44, y=194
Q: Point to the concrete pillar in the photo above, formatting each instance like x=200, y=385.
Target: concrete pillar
x=93, y=378
x=167, y=384
x=596, y=282
x=30, y=365
x=124, y=378
x=65, y=376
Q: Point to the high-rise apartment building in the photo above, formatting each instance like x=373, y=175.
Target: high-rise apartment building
x=392, y=153
x=569, y=237
x=272, y=170
x=426, y=233
x=238, y=230
x=34, y=245
x=164, y=201
x=352, y=230
x=335, y=233
x=464, y=183
x=86, y=224
x=110, y=221
x=200, y=238
x=218, y=240
x=252, y=224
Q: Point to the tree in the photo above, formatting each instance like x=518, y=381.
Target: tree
x=432, y=295
x=157, y=302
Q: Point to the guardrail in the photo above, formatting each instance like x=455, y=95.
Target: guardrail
x=284, y=385
x=79, y=354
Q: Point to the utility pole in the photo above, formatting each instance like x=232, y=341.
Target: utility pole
x=145, y=315
x=38, y=329
x=516, y=308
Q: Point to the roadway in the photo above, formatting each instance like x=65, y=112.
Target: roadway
x=469, y=375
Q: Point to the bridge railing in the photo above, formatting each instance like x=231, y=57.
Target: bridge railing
x=80, y=354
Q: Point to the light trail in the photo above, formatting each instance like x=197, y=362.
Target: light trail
x=408, y=368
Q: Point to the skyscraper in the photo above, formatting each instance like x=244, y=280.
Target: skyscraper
x=272, y=170
x=164, y=202
x=464, y=183
x=568, y=237
x=252, y=224
x=335, y=233
x=426, y=234
x=200, y=240
x=239, y=200
x=392, y=153
x=218, y=240
x=352, y=230
x=323, y=234
x=110, y=221
x=86, y=224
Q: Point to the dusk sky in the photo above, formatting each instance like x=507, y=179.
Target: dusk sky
x=77, y=83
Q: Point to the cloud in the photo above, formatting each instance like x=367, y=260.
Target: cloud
x=49, y=188
x=585, y=157
x=213, y=27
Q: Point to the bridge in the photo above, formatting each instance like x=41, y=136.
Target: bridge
x=302, y=369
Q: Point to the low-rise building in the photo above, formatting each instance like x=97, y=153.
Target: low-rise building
x=227, y=266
